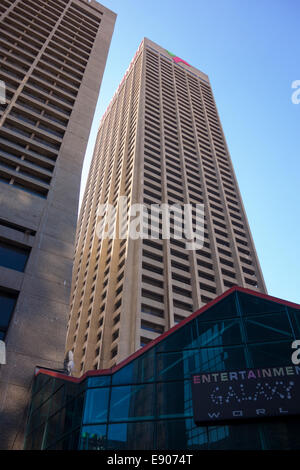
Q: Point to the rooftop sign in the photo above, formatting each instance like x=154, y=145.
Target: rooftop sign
x=177, y=59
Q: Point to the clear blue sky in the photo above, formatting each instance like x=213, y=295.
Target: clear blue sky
x=250, y=50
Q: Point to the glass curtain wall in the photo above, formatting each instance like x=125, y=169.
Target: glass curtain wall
x=147, y=404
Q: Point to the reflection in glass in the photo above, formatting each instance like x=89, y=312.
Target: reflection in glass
x=268, y=327
x=132, y=403
x=131, y=436
x=96, y=405
x=93, y=437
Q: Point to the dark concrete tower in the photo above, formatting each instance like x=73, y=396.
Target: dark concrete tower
x=53, y=54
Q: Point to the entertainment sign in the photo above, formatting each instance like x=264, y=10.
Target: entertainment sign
x=246, y=394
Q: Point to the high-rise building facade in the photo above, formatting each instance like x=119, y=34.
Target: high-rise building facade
x=159, y=142
x=53, y=54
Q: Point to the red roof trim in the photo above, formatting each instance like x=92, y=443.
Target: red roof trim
x=92, y=373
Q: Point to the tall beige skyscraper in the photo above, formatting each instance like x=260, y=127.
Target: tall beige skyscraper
x=160, y=141
x=53, y=54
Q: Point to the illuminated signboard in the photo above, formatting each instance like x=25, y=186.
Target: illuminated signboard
x=246, y=394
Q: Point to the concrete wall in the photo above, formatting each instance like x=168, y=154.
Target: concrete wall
x=37, y=331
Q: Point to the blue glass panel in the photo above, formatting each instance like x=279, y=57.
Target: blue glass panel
x=74, y=440
x=132, y=402
x=225, y=358
x=62, y=422
x=58, y=399
x=117, y=436
x=28, y=441
x=93, y=437
x=138, y=371
x=171, y=366
x=58, y=383
x=174, y=365
x=95, y=409
x=181, y=434
x=225, y=308
x=250, y=304
x=174, y=399
x=69, y=442
x=40, y=380
x=274, y=326
x=271, y=354
x=99, y=381
x=69, y=413
x=220, y=333
x=295, y=317
x=235, y=437
x=72, y=390
x=132, y=436
x=13, y=257
x=72, y=414
x=82, y=386
x=35, y=440
x=39, y=416
x=280, y=434
x=44, y=392
x=184, y=338
x=78, y=411
x=54, y=429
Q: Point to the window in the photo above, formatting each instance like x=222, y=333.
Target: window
x=13, y=256
x=7, y=305
x=152, y=295
x=180, y=291
x=182, y=305
x=114, y=352
x=179, y=278
x=152, y=310
x=115, y=335
x=152, y=268
x=96, y=406
x=145, y=325
x=144, y=341
x=128, y=403
x=19, y=228
x=178, y=318
x=151, y=281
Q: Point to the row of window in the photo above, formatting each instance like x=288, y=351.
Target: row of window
x=113, y=161
x=188, y=141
